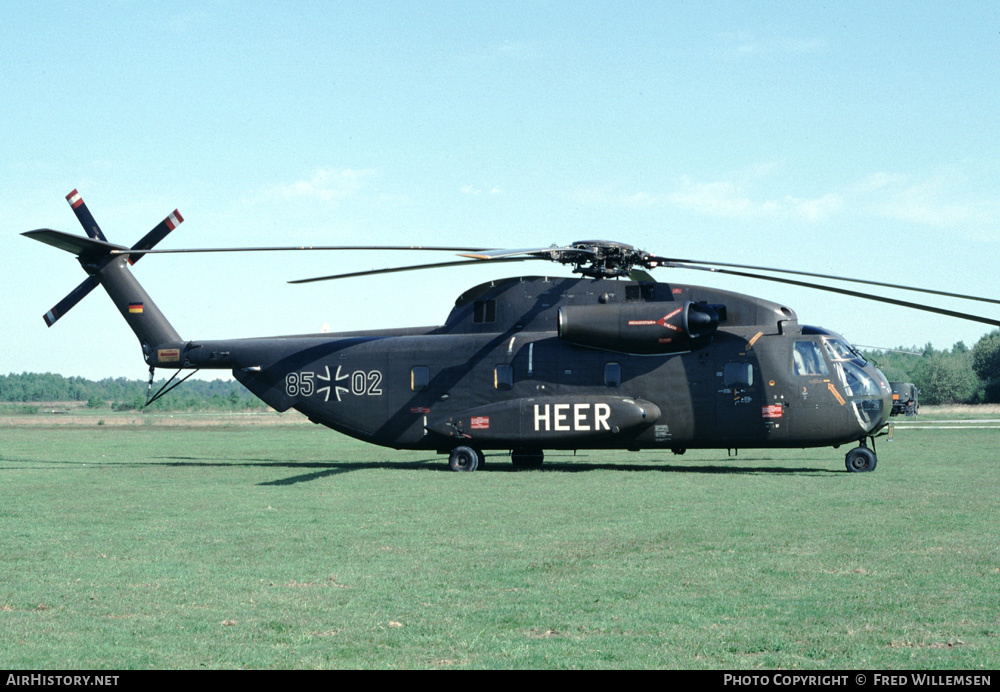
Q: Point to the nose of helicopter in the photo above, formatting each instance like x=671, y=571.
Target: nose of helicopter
x=877, y=401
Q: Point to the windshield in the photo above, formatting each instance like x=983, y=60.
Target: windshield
x=865, y=385
x=839, y=349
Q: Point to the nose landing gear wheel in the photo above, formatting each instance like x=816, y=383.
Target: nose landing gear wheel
x=860, y=460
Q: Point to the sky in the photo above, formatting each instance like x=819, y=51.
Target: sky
x=852, y=138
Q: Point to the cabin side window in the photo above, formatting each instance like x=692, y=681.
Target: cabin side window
x=808, y=359
x=420, y=377
x=484, y=311
x=503, y=377
x=639, y=292
x=612, y=374
x=737, y=375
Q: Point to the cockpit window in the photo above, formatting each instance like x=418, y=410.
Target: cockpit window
x=809, y=359
x=841, y=350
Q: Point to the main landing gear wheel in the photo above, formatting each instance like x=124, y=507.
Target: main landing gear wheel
x=860, y=460
x=464, y=458
x=524, y=459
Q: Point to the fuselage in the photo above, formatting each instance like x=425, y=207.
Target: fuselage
x=544, y=363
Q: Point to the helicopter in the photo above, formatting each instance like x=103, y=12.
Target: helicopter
x=608, y=358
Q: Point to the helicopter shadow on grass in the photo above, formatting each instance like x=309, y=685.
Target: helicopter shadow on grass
x=437, y=465
x=324, y=469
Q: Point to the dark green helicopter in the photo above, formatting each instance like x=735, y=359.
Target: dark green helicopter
x=609, y=359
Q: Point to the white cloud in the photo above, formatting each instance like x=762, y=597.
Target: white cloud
x=593, y=197
x=732, y=200
x=942, y=200
x=726, y=199
x=475, y=190
x=326, y=184
x=741, y=43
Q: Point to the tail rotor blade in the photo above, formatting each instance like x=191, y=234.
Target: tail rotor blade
x=159, y=232
x=84, y=216
x=67, y=303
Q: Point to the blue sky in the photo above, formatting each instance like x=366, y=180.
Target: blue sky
x=856, y=139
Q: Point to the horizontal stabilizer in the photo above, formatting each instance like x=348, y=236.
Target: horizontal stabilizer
x=76, y=244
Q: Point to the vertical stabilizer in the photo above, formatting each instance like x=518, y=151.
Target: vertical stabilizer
x=135, y=305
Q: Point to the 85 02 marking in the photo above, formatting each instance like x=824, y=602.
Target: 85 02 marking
x=362, y=383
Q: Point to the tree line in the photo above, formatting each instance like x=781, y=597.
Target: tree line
x=959, y=375
x=125, y=394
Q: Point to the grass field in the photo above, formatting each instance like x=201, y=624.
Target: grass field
x=289, y=546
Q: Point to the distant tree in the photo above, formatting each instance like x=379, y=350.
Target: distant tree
x=946, y=379
x=193, y=395
x=986, y=363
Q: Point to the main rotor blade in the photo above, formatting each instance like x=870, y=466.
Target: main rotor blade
x=667, y=261
x=392, y=270
x=847, y=292
x=294, y=248
x=549, y=253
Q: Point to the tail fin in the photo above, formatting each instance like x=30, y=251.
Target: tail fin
x=107, y=264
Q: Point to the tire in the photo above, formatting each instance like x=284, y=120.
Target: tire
x=463, y=458
x=860, y=460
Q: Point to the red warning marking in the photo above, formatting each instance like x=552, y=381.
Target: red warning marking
x=74, y=199
x=174, y=220
x=772, y=411
x=480, y=423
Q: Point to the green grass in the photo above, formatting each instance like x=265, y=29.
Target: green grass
x=292, y=547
